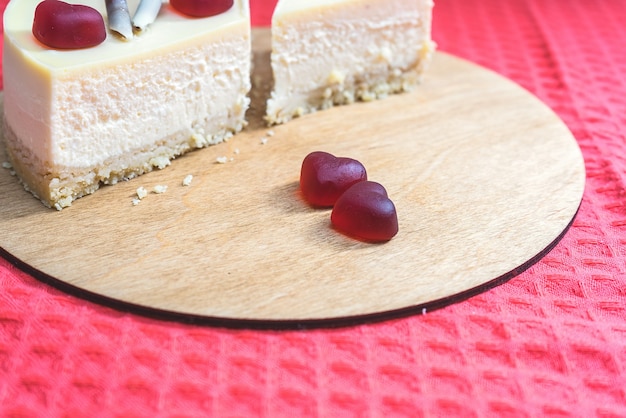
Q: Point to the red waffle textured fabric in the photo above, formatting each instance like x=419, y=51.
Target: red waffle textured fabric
x=550, y=342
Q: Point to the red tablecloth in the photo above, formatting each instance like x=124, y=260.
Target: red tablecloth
x=550, y=342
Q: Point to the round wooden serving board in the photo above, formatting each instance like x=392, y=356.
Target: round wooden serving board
x=484, y=176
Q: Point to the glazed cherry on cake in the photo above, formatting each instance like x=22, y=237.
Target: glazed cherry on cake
x=61, y=25
x=202, y=8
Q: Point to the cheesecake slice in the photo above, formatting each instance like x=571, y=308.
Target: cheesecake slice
x=75, y=119
x=335, y=52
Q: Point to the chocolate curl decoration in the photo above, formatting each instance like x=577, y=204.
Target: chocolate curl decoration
x=146, y=14
x=119, y=18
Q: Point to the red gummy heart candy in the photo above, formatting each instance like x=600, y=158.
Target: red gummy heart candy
x=324, y=177
x=365, y=212
x=202, y=8
x=68, y=26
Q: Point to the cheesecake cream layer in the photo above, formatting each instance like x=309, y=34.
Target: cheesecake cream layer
x=333, y=52
x=121, y=108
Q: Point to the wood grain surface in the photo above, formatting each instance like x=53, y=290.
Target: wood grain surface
x=484, y=176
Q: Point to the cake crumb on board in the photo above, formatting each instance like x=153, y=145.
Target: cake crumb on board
x=159, y=189
x=141, y=192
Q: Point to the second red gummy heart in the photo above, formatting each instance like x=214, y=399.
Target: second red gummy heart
x=365, y=212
